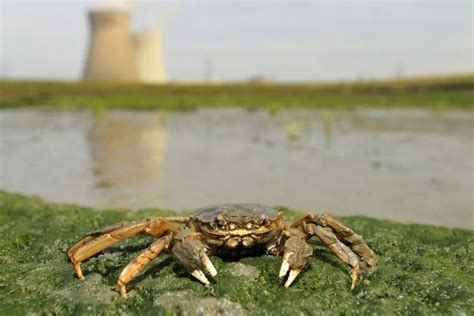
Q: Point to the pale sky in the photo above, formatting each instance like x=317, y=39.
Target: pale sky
x=282, y=40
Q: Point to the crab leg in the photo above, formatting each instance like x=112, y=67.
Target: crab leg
x=135, y=266
x=328, y=237
x=368, y=258
x=98, y=241
x=355, y=241
x=191, y=253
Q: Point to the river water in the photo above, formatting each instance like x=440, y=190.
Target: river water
x=408, y=165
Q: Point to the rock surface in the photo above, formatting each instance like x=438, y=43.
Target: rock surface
x=242, y=270
x=187, y=304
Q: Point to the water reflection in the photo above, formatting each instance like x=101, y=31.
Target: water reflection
x=126, y=153
x=409, y=165
x=327, y=128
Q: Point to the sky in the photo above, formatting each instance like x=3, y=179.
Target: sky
x=235, y=40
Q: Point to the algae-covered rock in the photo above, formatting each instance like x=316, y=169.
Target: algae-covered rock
x=186, y=303
x=241, y=270
x=423, y=270
x=222, y=307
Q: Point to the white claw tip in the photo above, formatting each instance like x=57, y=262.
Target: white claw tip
x=198, y=274
x=210, y=267
x=293, y=274
x=285, y=266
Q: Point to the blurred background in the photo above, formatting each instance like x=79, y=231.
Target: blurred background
x=241, y=40
x=351, y=107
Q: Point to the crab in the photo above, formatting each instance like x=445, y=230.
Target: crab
x=230, y=230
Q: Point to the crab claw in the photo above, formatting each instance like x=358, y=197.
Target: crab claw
x=198, y=274
x=192, y=255
x=209, y=266
x=292, y=276
x=295, y=258
x=285, y=266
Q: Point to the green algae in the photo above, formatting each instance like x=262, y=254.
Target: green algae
x=423, y=270
x=430, y=92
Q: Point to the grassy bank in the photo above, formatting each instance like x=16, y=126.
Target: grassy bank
x=435, y=92
x=424, y=270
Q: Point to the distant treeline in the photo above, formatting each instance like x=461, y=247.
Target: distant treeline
x=435, y=92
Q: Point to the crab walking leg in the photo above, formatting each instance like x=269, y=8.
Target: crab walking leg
x=355, y=241
x=296, y=252
x=346, y=235
x=76, y=265
x=191, y=253
x=135, y=266
x=98, y=241
x=327, y=236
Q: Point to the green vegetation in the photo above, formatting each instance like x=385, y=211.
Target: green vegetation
x=424, y=270
x=434, y=92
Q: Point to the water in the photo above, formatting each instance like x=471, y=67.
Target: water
x=406, y=165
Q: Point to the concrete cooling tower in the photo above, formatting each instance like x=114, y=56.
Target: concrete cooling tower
x=148, y=56
x=111, y=55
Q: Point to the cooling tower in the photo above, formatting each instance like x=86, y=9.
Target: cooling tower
x=148, y=57
x=111, y=55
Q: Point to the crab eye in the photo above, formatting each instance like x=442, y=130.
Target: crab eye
x=262, y=220
x=219, y=221
x=232, y=226
x=249, y=226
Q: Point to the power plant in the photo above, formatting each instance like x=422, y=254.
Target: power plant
x=148, y=57
x=115, y=54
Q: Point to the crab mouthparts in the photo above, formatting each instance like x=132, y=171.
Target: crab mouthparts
x=235, y=241
x=239, y=232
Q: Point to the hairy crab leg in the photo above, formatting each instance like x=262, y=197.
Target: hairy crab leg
x=135, y=266
x=98, y=241
x=191, y=254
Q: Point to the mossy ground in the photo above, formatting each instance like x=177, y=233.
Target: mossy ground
x=423, y=270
